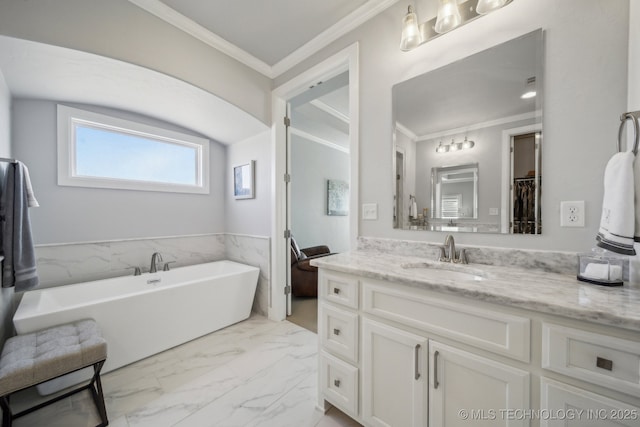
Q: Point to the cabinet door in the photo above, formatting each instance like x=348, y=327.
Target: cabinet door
x=568, y=406
x=394, y=376
x=466, y=389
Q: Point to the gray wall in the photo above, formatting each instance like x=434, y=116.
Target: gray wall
x=585, y=92
x=312, y=164
x=121, y=30
x=250, y=216
x=75, y=214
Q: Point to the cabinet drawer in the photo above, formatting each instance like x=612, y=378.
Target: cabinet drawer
x=339, y=289
x=600, y=359
x=339, y=332
x=586, y=409
x=339, y=383
x=494, y=331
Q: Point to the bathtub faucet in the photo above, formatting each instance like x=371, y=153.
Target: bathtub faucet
x=155, y=259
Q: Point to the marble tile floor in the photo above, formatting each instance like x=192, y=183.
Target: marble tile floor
x=256, y=373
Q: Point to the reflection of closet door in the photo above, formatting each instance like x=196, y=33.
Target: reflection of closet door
x=525, y=185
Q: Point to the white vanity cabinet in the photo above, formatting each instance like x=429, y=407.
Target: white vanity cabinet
x=395, y=355
x=406, y=376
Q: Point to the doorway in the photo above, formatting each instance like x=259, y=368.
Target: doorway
x=283, y=140
x=318, y=198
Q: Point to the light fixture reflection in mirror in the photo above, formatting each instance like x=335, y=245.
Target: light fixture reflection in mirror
x=450, y=16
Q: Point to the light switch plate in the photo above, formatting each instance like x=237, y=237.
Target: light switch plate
x=370, y=211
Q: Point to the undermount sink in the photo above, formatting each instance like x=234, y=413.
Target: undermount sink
x=446, y=271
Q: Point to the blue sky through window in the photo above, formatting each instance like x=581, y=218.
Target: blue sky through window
x=109, y=154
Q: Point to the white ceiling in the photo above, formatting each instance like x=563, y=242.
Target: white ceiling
x=478, y=89
x=269, y=36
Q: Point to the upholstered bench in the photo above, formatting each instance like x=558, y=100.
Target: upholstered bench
x=34, y=358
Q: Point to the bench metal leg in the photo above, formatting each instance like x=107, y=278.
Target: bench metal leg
x=7, y=417
x=96, y=394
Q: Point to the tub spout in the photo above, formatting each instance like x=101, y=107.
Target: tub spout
x=156, y=258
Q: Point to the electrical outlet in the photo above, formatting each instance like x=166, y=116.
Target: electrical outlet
x=572, y=214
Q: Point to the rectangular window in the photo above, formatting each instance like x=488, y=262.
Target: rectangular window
x=96, y=150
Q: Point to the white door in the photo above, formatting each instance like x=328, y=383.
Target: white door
x=394, y=376
x=466, y=389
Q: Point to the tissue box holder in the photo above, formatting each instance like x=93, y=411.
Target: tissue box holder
x=603, y=270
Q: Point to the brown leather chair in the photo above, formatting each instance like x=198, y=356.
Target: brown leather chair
x=304, y=276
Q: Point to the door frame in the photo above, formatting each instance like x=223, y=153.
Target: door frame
x=347, y=59
x=507, y=135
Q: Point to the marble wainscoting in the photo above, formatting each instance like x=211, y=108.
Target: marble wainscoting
x=67, y=263
x=63, y=264
x=548, y=261
x=255, y=251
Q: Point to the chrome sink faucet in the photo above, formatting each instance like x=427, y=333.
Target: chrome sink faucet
x=155, y=259
x=448, y=252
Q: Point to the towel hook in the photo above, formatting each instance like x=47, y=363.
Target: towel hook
x=636, y=131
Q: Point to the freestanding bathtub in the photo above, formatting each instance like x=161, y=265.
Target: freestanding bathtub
x=143, y=315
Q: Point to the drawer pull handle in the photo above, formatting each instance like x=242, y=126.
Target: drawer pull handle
x=336, y=291
x=435, y=370
x=336, y=383
x=336, y=331
x=603, y=363
x=417, y=362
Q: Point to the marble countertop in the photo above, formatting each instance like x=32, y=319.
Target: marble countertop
x=552, y=293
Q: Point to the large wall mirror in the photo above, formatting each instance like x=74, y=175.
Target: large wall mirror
x=468, y=140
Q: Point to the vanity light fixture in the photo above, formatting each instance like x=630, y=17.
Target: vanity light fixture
x=442, y=148
x=530, y=88
x=486, y=6
x=455, y=146
x=450, y=15
x=411, y=37
x=466, y=144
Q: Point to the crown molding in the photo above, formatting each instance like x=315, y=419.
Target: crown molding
x=323, y=106
x=318, y=140
x=178, y=20
x=510, y=119
x=356, y=18
x=365, y=12
x=406, y=131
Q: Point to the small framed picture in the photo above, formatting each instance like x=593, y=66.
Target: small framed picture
x=337, y=197
x=243, y=180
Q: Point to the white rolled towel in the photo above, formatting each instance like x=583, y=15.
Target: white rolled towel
x=603, y=272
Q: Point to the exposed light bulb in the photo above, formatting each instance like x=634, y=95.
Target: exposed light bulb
x=467, y=144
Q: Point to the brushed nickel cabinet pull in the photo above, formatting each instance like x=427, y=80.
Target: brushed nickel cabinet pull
x=416, y=357
x=336, y=331
x=336, y=383
x=603, y=363
x=336, y=291
x=435, y=369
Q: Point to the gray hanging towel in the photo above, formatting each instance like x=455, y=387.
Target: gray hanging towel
x=17, y=244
